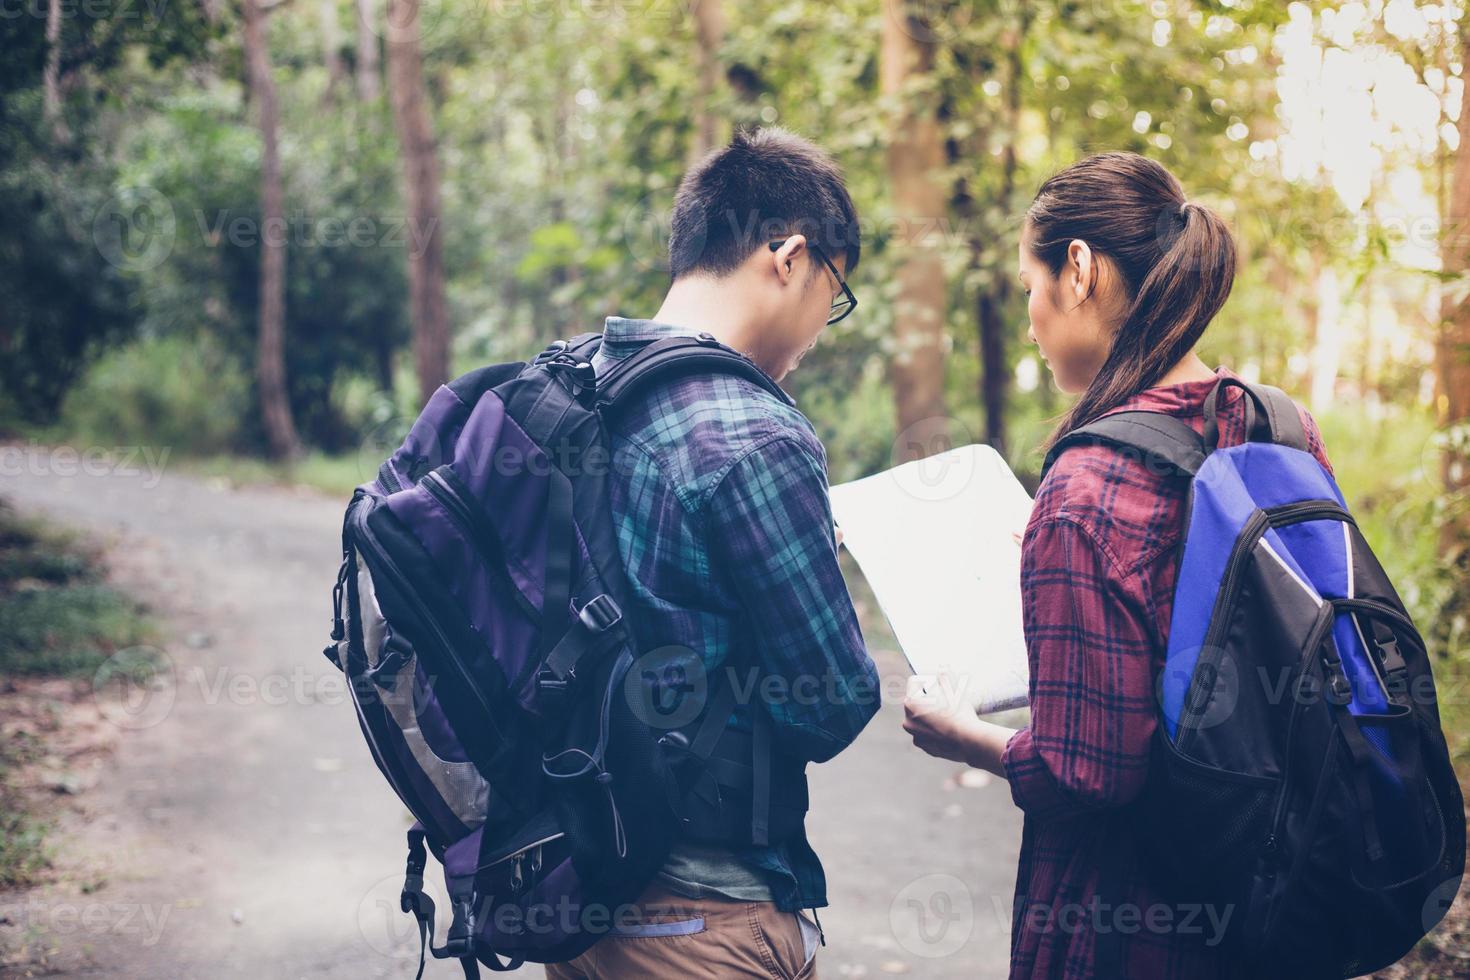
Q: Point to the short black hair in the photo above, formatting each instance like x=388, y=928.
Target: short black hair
x=766, y=184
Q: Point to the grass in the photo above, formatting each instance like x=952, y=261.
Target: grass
x=57, y=619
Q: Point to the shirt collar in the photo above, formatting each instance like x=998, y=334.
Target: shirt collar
x=623, y=330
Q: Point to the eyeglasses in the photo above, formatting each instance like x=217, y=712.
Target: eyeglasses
x=845, y=303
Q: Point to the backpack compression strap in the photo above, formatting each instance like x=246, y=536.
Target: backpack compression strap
x=1162, y=440
x=663, y=359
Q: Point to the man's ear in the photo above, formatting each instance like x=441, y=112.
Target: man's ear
x=785, y=257
x=1082, y=271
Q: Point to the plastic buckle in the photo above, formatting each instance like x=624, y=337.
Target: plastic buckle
x=548, y=683
x=1392, y=660
x=460, y=942
x=601, y=614
x=413, y=890
x=552, y=350
x=705, y=337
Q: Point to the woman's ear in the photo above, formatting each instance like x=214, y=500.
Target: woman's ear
x=1082, y=271
x=785, y=257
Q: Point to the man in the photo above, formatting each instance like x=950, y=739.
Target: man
x=719, y=496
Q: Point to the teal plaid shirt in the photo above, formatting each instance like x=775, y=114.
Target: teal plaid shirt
x=719, y=499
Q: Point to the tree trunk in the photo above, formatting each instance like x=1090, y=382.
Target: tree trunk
x=51, y=74
x=915, y=159
x=331, y=47
x=709, y=31
x=429, y=311
x=995, y=364
x=275, y=405
x=369, y=85
x=1452, y=354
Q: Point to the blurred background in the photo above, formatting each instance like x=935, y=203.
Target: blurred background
x=241, y=241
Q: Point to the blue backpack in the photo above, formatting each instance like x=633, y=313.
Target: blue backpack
x=1300, y=779
x=478, y=616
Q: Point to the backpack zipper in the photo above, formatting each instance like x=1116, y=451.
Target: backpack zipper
x=388, y=479
x=1250, y=532
x=445, y=647
x=1242, y=554
x=1313, y=645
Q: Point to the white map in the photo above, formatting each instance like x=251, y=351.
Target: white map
x=939, y=542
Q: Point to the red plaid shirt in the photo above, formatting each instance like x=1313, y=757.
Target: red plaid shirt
x=1098, y=567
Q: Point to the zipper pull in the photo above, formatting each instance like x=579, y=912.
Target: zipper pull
x=516, y=880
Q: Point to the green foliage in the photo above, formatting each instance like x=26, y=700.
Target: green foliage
x=66, y=288
x=56, y=616
x=185, y=394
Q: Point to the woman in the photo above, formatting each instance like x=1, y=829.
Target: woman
x=1123, y=274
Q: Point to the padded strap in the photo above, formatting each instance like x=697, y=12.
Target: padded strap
x=716, y=719
x=760, y=764
x=561, y=541
x=660, y=360
x=1270, y=415
x=1163, y=440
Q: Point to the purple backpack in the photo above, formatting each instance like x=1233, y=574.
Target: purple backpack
x=478, y=617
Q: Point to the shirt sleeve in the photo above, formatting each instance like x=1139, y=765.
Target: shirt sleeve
x=1092, y=701
x=770, y=524
x=1315, y=446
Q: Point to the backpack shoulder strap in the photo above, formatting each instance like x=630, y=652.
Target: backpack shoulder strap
x=661, y=360
x=1270, y=415
x=1162, y=440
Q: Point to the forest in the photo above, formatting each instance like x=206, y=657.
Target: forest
x=257, y=234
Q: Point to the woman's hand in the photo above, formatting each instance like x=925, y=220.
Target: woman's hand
x=944, y=724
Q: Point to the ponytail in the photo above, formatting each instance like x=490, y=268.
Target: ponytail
x=1176, y=259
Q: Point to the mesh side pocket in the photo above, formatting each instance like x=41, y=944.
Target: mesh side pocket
x=1204, y=827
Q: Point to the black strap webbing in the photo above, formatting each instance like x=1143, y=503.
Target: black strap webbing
x=662, y=359
x=1162, y=440
x=712, y=727
x=459, y=944
x=760, y=763
x=561, y=541
x=716, y=719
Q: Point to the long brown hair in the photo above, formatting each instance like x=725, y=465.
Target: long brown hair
x=1176, y=260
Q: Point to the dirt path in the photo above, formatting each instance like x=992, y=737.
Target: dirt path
x=240, y=828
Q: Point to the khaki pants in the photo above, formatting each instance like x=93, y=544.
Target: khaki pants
x=669, y=937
